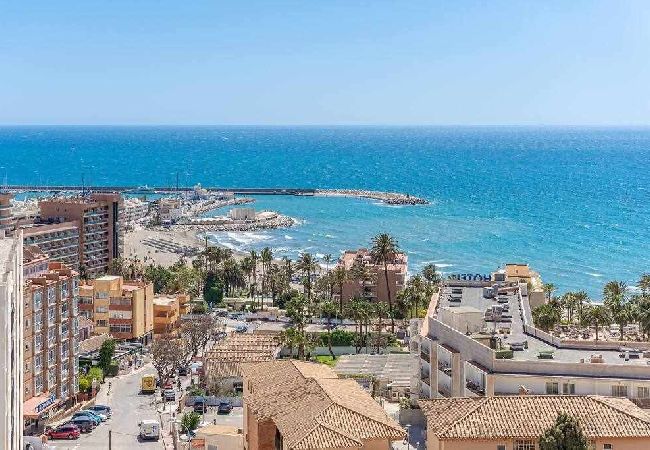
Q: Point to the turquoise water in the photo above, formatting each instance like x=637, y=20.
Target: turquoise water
x=573, y=202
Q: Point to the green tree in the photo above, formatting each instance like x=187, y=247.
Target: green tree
x=380, y=312
x=84, y=384
x=298, y=312
x=328, y=309
x=383, y=251
x=598, y=316
x=548, y=289
x=644, y=284
x=616, y=301
x=564, y=434
x=546, y=316
x=106, y=352
x=190, y=421
x=340, y=277
x=307, y=265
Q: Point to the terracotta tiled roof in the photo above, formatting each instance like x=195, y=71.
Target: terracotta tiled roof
x=313, y=408
x=93, y=343
x=224, y=359
x=529, y=416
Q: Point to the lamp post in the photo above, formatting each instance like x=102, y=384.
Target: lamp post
x=408, y=436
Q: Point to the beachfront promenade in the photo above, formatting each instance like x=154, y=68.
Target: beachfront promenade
x=393, y=198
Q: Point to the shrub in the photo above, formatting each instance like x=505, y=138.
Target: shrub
x=190, y=422
x=113, y=369
x=84, y=384
x=504, y=354
x=96, y=373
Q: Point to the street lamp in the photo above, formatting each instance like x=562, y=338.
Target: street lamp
x=408, y=436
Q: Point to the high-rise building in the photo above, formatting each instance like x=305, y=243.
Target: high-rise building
x=11, y=343
x=59, y=240
x=51, y=341
x=7, y=222
x=122, y=308
x=100, y=234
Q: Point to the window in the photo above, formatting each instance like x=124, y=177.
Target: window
x=501, y=447
x=120, y=328
x=619, y=391
x=64, y=290
x=568, y=388
x=643, y=392
x=51, y=315
x=38, y=299
x=525, y=444
x=51, y=297
x=552, y=388
x=102, y=323
x=608, y=446
x=101, y=309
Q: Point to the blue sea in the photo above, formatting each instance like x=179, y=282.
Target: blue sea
x=572, y=202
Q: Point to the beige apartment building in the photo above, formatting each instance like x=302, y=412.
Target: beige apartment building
x=375, y=288
x=51, y=341
x=98, y=219
x=122, y=308
x=166, y=314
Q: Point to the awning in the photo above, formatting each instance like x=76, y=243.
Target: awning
x=36, y=406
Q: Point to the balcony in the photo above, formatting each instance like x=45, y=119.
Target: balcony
x=425, y=378
x=51, y=343
x=425, y=356
x=475, y=388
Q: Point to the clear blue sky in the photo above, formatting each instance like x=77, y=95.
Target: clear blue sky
x=325, y=62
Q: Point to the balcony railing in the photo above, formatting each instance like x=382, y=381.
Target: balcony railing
x=425, y=356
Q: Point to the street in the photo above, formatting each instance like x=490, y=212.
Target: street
x=129, y=407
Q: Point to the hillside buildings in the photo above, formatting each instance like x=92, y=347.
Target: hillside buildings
x=374, y=288
x=166, y=314
x=124, y=309
x=51, y=341
x=293, y=405
x=478, y=339
x=517, y=422
x=11, y=344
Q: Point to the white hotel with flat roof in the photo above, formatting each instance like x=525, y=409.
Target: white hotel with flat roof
x=465, y=341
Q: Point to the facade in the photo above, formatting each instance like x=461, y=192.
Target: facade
x=59, y=240
x=51, y=343
x=169, y=210
x=509, y=356
x=7, y=221
x=100, y=233
x=220, y=436
x=166, y=315
x=290, y=405
x=134, y=210
x=375, y=288
x=517, y=422
x=11, y=344
x=122, y=309
x=242, y=213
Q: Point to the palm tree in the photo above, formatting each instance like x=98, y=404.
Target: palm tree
x=546, y=316
x=380, y=311
x=384, y=248
x=266, y=256
x=581, y=299
x=298, y=312
x=254, y=257
x=288, y=338
x=340, y=277
x=615, y=300
x=328, y=309
x=548, y=289
x=328, y=259
x=644, y=284
x=307, y=264
x=354, y=311
x=598, y=316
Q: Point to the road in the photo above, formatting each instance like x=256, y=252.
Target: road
x=129, y=407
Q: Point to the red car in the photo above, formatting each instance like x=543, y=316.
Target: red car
x=66, y=431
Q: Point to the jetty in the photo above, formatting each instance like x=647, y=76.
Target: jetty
x=391, y=198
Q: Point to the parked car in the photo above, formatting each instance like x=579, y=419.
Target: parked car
x=224, y=408
x=65, y=431
x=100, y=416
x=241, y=328
x=84, y=423
x=101, y=409
x=94, y=419
x=200, y=406
x=182, y=372
x=149, y=430
x=169, y=395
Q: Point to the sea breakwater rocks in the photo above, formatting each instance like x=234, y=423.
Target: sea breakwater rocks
x=278, y=221
x=390, y=198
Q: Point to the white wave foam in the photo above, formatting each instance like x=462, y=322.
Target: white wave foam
x=594, y=274
x=286, y=236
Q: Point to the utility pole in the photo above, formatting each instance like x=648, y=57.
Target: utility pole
x=110, y=438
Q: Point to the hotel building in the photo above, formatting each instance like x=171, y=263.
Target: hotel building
x=11, y=344
x=375, y=288
x=51, y=341
x=478, y=339
x=98, y=219
x=59, y=240
x=123, y=309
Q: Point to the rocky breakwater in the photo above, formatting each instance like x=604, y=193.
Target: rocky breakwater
x=390, y=198
x=263, y=221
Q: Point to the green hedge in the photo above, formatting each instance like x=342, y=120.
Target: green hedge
x=504, y=354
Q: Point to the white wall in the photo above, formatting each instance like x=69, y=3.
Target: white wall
x=11, y=346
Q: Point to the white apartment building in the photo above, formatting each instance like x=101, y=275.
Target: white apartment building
x=11, y=345
x=509, y=356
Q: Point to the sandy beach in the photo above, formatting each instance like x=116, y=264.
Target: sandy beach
x=163, y=246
